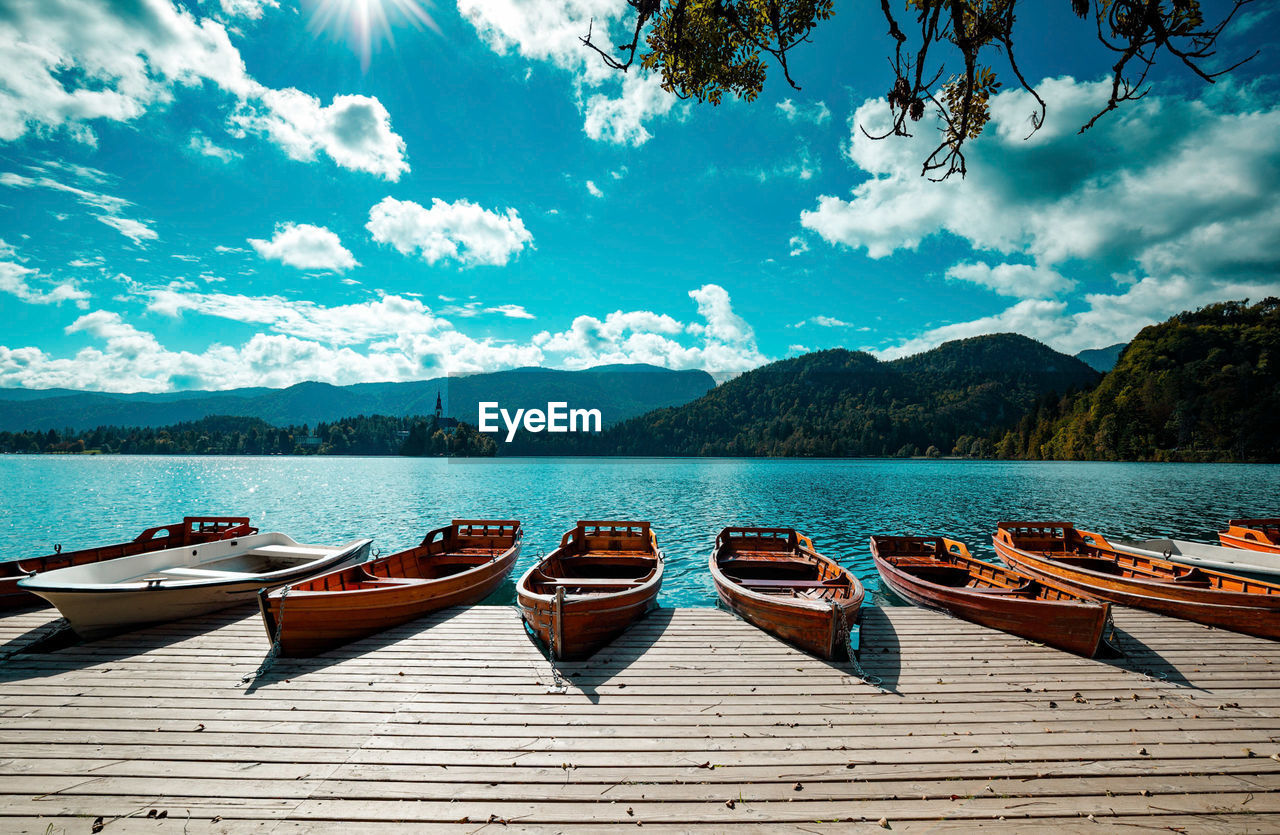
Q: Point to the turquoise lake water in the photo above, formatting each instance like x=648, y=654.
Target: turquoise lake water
x=78, y=501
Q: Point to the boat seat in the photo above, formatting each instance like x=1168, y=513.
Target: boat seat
x=291, y=551
x=588, y=581
x=1023, y=589
x=793, y=584
x=206, y=574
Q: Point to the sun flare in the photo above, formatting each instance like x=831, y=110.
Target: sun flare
x=366, y=24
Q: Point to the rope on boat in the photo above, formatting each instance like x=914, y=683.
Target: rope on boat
x=845, y=628
x=274, y=652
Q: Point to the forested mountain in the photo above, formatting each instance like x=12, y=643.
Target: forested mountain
x=618, y=391
x=960, y=396
x=1203, y=386
x=231, y=435
x=1102, y=359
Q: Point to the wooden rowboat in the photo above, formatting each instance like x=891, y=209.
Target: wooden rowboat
x=773, y=578
x=457, y=565
x=1252, y=535
x=939, y=573
x=585, y=593
x=191, y=531
x=104, y=598
x=1088, y=564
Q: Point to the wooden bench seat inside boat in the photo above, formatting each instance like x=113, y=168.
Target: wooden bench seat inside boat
x=289, y=551
x=610, y=582
x=1098, y=564
x=206, y=574
x=834, y=582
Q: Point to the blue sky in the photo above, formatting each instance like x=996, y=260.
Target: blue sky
x=232, y=192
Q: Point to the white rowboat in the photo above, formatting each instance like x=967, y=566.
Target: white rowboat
x=104, y=598
x=1256, y=564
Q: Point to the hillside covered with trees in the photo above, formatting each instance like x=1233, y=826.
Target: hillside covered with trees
x=228, y=435
x=1203, y=386
x=961, y=396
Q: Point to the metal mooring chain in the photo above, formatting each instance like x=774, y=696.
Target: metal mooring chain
x=274, y=652
x=867, y=678
x=557, y=611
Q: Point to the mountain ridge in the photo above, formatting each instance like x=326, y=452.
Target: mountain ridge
x=619, y=392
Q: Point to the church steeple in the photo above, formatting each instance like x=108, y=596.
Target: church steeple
x=439, y=406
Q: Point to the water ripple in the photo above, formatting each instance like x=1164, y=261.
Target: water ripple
x=82, y=501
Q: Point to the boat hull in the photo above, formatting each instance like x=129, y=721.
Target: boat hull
x=1246, y=563
x=818, y=624
x=314, y=622
x=102, y=610
x=586, y=623
x=1249, y=614
x=1077, y=627
x=192, y=530
x=575, y=624
x=1252, y=535
x=818, y=630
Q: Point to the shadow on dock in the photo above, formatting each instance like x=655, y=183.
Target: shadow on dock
x=588, y=674
x=284, y=668
x=1128, y=652
x=52, y=648
x=881, y=652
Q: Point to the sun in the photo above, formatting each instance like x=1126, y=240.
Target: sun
x=366, y=24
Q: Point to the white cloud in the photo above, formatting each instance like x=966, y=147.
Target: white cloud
x=15, y=279
x=1106, y=319
x=621, y=120
x=1153, y=180
x=387, y=338
x=615, y=105
x=593, y=189
x=815, y=113
x=799, y=245
x=1178, y=200
x=724, y=342
x=354, y=131
x=823, y=322
x=460, y=231
x=472, y=309
x=107, y=208
x=511, y=311
x=803, y=167
x=116, y=63
x=306, y=247
x=1023, y=281
x=251, y=9
x=135, y=230
x=202, y=144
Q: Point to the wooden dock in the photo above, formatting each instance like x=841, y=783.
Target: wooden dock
x=692, y=718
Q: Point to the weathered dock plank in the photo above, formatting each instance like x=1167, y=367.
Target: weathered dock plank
x=691, y=718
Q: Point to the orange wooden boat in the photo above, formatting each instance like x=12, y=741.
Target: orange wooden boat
x=1252, y=535
x=773, y=578
x=1086, y=563
x=585, y=593
x=939, y=573
x=457, y=565
x=193, y=530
